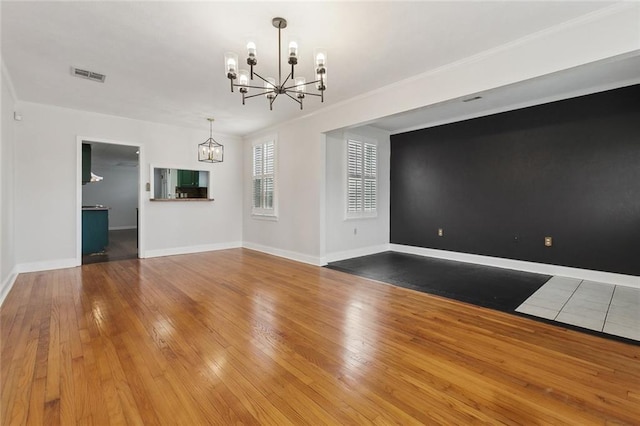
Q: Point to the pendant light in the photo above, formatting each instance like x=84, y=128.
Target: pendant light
x=210, y=151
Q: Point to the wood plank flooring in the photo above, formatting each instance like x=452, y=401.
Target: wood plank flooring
x=237, y=336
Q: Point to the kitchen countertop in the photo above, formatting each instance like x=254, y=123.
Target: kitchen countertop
x=96, y=207
x=181, y=199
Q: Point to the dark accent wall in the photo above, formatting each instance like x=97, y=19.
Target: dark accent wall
x=497, y=185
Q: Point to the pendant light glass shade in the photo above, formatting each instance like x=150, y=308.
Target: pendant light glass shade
x=210, y=151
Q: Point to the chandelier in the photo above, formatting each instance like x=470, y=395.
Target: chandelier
x=293, y=87
x=210, y=151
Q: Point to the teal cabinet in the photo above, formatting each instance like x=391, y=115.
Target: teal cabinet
x=188, y=178
x=95, y=230
x=86, y=163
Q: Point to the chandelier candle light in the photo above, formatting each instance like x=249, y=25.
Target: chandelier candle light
x=210, y=151
x=297, y=88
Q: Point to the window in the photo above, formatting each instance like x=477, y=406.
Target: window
x=264, y=178
x=362, y=166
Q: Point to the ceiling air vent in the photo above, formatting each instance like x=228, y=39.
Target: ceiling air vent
x=90, y=75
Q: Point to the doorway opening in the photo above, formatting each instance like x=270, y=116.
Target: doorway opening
x=109, y=201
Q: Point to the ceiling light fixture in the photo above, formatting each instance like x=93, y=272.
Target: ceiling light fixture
x=210, y=151
x=296, y=89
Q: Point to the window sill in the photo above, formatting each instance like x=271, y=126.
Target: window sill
x=268, y=217
x=363, y=217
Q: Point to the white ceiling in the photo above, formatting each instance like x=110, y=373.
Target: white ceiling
x=164, y=60
x=595, y=77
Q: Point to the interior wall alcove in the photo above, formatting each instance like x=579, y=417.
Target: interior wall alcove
x=498, y=185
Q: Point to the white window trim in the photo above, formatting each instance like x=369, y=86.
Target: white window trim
x=261, y=213
x=360, y=214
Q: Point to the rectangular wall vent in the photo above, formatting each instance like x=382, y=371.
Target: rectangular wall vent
x=475, y=98
x=90, y=75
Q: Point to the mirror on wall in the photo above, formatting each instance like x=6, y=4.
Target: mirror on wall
x=180, y=184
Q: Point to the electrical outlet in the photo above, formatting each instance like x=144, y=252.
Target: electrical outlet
x=548, y=241
x=440, y=232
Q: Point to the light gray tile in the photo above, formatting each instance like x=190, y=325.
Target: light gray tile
x=625, y=290
x=544, y=302
x=578, y=303
x=595, y=290
x=626, y=315
x=581, y=310
x=626, y=296
x=581, y=321
x=564, y=283
x=628, y=310
x=620, y=330
x=622, y=302
x=537, y=311
x=596, y=285
x=602, y=296
x=555, y=292
x=624, y=321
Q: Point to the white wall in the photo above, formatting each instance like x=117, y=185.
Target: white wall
x=346, y=238
x=7, y=236
x=48, y=184
x=299, y=177
x=301, y=233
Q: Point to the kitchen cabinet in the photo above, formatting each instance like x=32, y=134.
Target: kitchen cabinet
x=86, y=163
x=188, y=178
x=95, y=229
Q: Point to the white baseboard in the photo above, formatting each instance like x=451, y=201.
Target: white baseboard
x=120, y=228
x=7, y=285
x=191, y=249
x=349, y=254
x=292, y=255
x=47, y=265
x=521, y=265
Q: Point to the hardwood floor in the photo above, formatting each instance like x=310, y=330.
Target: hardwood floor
x=237, y=336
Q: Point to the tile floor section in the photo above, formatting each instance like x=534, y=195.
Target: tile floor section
x=607, y=308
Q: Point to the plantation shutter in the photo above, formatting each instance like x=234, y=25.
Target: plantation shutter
x=354, y=176
x=370, y=177
x=264, y=178
x=257, y=176
x=362, y=165
x=268, y=175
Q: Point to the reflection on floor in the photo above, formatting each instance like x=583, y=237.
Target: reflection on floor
x=122, y=245
x=607, y=308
